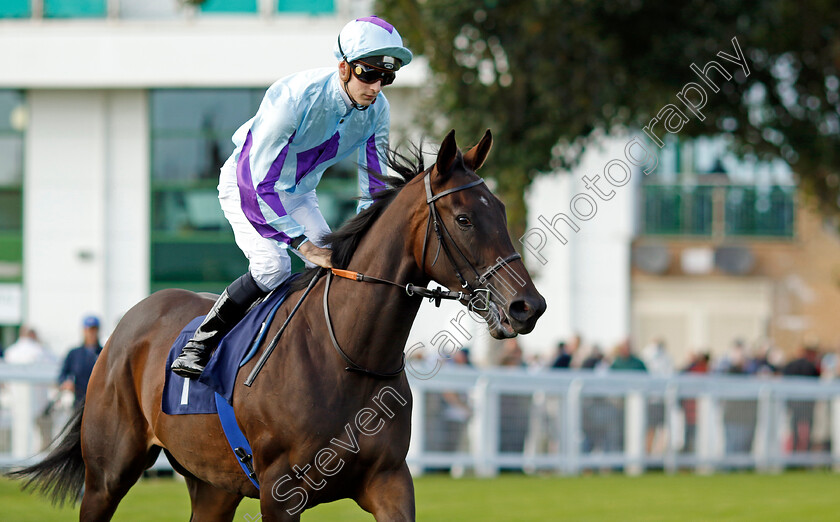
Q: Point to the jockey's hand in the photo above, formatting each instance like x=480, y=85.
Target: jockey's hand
x=317, y=255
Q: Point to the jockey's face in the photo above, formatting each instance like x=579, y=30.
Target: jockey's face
x=363, y=93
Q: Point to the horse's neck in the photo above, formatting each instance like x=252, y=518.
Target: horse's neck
x=372, y=321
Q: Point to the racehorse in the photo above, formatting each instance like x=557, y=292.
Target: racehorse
x=319, y=432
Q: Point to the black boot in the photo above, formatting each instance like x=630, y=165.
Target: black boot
x=229, y=309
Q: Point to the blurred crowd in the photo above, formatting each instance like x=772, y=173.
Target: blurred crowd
x=761, y=359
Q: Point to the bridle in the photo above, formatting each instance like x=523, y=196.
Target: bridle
x=435, y=295
x=440, y=229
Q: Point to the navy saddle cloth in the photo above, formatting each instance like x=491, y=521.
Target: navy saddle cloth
x=186, y=396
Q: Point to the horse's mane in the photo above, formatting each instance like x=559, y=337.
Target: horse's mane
x=345, y=240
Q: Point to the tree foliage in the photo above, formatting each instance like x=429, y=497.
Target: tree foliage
x=549, y=76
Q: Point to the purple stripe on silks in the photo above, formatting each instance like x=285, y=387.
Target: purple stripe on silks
x=309, y=159
x=372, y=156
x=377, y=21
x=248, y=196
x=266, y=189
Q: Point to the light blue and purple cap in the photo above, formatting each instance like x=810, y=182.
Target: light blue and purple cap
x=370, y=36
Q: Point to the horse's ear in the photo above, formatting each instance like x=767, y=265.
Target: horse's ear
x=447, y=154
x=475, y=157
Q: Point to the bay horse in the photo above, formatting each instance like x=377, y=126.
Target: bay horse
x=319, y=433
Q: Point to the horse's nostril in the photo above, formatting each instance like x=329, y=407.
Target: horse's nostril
x=520, y=310
x=526, y=310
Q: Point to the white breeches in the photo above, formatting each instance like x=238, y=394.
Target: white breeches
x=269, y=261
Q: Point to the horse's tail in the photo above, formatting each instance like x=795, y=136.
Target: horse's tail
x=61, y=474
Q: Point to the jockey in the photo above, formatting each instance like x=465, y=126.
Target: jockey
x=306, y=122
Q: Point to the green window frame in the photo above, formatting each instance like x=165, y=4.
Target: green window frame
x=15, y=8
x=75, y=8
x=12, y=135
x=229, y=6
x=678, y=210
x=766, y=212
x=192, y=245
x=742, y=210
x=306, y=6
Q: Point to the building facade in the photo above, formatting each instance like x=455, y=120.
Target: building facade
x=114, y=119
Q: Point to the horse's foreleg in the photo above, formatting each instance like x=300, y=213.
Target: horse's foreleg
x=280, y=501
x=389, y=495
x=211, y=504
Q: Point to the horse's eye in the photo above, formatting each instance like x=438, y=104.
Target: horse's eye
x=463, y=221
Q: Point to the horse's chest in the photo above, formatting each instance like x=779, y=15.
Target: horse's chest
x=357, y=430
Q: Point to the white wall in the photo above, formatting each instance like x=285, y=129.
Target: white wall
x=586, y=282
x=208, y=52
x=128, y=222
x=696, y=315
x=86, y=209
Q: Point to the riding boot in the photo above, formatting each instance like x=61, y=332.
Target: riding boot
x=229, y=309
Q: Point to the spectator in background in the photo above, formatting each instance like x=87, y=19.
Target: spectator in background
x=659, y=364
x=625, y=359
x=657, y=360
x=739, y=415
x=821, y=432
x=802, y=412
x=595, y=359
x=562, y=358
x=513, y=408
x=760, y=360
x=512, y=354
x=457, y=410
x=698, y=364
x=28, y=349
x=75, y=372
x=574, y=347
x=734, y=361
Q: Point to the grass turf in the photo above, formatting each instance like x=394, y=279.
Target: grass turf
x=791, y=496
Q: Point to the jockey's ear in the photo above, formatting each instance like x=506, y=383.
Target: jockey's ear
x=474, y=158
x=447, y=154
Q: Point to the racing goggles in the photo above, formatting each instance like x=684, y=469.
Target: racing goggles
x=369, y=74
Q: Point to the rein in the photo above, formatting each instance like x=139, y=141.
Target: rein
x=435, y=295
x=352, y=366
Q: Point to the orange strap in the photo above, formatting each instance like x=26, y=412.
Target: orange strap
x=347, y=274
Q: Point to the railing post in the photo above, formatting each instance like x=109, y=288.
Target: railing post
x=776, y=455
x=671, y=413
x=571, y=436
x=635, y=425
x=709, y=448
x=23, y=420
x=536, y=434
x=417, y=448
x=835, y=433
x=764, y=433
x=486, y=429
